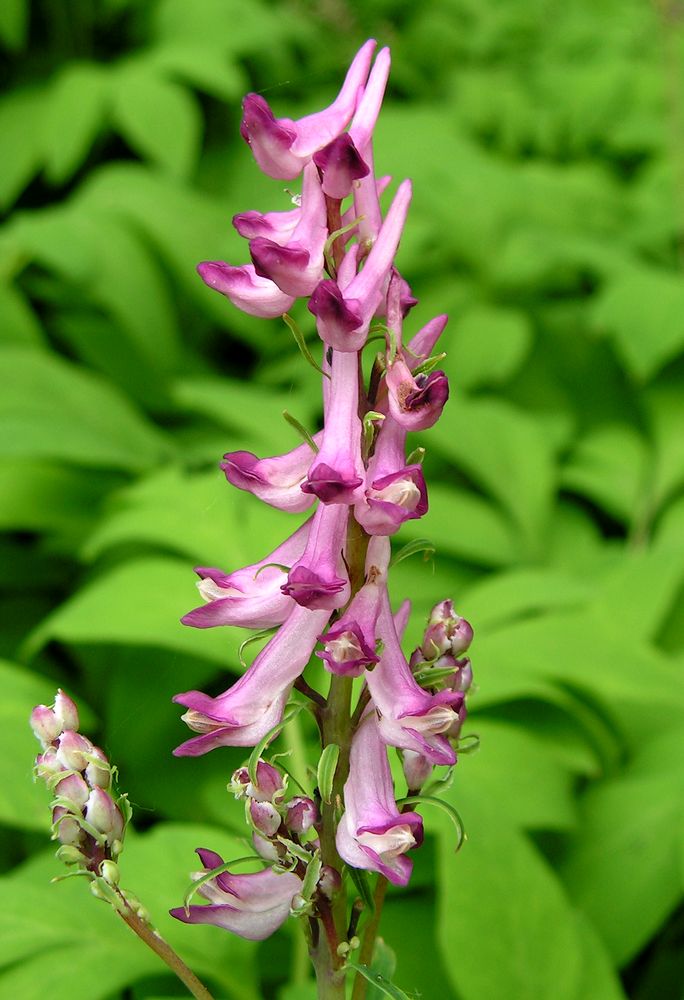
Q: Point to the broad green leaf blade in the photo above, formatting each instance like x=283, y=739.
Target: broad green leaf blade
x=382, y=985
x=486, y=346
x=76, y=110
x=21, y=117
x=158, y=118
x=20, y=324
x=505, y=913
x=609, y=466
x=50, y=408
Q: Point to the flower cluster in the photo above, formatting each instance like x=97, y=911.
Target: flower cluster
x=337, y=249
x=88, y=818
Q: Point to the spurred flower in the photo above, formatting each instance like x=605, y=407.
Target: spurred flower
x=296, y=264
x=349, y=645
x=415, y=402
x=395, y=492
x=249, y=597
x=275, y=480
x=247, y=291
x=319, y=580
x=283, y=147
x=410, y=717
x=372, y=833
x=337, y=472
x=244, y=714
x=252, y=905
x=344, y=311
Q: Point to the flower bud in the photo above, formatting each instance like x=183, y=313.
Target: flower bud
x=98, y=772
x=65, y=711
x=72, y=750
x=463, y=677
x=74, y=789
x=265, y=817
x=269, y=786
x=446, y=632
x=67, y=827
x=301, y=814
x=417, y=769
x=110, y=872
x=454, y=730
x=329, y=882
x=45, y=725
x=102, y=813
x=47, y=764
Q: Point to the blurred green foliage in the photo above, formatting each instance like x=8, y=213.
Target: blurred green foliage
x=546, y=145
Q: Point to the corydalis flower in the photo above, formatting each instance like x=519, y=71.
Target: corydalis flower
x=415, y=402
x=409, y=717
x=396, y=491
x=337, y=472
x=283, y=147
x=344, y=310
x=249, y=597
x=296, y=264
x=319, y=579
x=276, y=480
x=244, y=714
x=349, y=645
x=372, y=833
x=247, y=290
x=252, y=905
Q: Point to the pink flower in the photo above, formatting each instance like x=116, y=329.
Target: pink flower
x=249, y=597
x=276, y=480
x=283, y=147
x=319, y=579
x=247, y=291
x=372, y=833
x=247, y=711
x=252, y=905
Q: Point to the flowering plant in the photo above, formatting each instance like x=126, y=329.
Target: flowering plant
x=324, y=590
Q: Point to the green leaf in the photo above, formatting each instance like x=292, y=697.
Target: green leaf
x=520, y=593
x=642, y=310
x=382, y=985
x=21, y=118
x=52, y=409
x=20, y=325
x=195, y=514
x=487, y=346
x=14, y=22
x=609, y=465
x=138, y=603
x=503, y=905
x=465, y=525
x=503, y=450
x=159, y=119
x=40, y=496
x=327, y=765
x=76, y=109
x=621, y=870
x=200, y=65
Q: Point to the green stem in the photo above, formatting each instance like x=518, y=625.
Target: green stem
x=165, y=952
x=369, y=936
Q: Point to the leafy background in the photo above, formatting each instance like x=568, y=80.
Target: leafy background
x=546, y=145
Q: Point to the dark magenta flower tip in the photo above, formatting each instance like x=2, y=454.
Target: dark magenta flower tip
x=313, y=591
x=432, y=392
x=270, y=258
x=330, y=485
x=329, y=305
x=339, y=165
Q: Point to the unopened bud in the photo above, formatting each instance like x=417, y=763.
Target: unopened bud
x=67, y=828
x=265, y=817
x=417, y=769
x=110, y=872
x=463, y=677
x=45, y=725
x=74, y=789
x=47, y=764
x=70, y=855
x=454, y=730
x=72, y=750
x=102, y=813
x=98, y=772
x=446, y=632
x=66, y=712
x=268, y=787
x=329, y=881
x=301, y=814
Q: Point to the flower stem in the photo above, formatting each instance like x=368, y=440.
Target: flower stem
x=165, y=952
x=369, y=936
